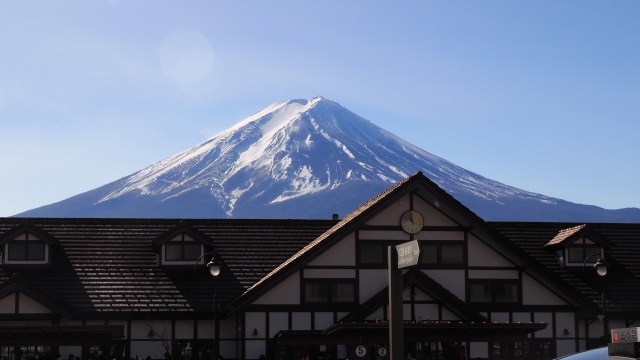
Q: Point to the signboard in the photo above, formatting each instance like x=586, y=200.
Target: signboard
x=408, y=254
x=361, y=351
x=366, y=352
x=381, y=353
x=624, y=335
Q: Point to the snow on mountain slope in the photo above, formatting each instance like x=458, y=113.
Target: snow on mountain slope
x=303, y=147
x=279, y=161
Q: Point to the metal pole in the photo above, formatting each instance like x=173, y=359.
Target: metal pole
x=605, y=320
x=216, y=326
x=396, y=331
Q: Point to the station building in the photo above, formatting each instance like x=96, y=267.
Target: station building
x=314, y=289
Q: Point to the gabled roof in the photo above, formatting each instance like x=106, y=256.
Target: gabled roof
x=623, y=276
x=567, y=236
x=426, y=284
x=27, y=227
x=428, y=190
x=17, y=283
x=183, y=227
x=110, y=266
x=564, y=234
x=300, y=258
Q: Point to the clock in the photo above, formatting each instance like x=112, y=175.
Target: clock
x=411, y=222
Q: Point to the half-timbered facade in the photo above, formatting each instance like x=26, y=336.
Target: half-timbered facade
x=288, y=289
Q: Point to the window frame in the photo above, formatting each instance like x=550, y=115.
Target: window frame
x=183, y=241
x=493, y=285
x=29, y=240
x=583, y=248
x=330, y=283
x=438, y=244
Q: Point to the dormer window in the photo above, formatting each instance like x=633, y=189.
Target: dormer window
x=581, y=250
x=578, y=246
x=182, y=245
x=26, y=248
x=182, y=249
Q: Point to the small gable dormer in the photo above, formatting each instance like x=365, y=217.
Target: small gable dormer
x=20, y=297
x=578, y=246
x=26, y=245
x=182, y=245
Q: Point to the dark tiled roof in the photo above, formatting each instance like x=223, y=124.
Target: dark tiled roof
x=104, y=265
x=622, y=282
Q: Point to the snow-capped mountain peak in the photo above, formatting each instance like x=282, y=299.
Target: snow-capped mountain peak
x=286, y=160
x=291, y=149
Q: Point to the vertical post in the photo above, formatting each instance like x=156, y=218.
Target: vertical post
x=605, y=316
x=216, y=326
x=396, y=331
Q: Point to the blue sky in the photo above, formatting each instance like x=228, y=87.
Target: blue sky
x=540, y=95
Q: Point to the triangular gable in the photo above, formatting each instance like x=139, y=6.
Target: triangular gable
x=426, y=284
x=335, y=233
x=565, y=237
x=27, y=228
x=17, y=283
x=431, y=193
x=185, y=228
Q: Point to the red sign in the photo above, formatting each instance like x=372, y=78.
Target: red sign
x=624, y=335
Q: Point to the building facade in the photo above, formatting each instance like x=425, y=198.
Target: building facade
x=316, y=289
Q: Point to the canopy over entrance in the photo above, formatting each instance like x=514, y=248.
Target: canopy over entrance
x=60, y=335
x=430, y=331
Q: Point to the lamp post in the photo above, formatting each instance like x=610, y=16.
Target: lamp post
x=214, y=270
x=601, y=269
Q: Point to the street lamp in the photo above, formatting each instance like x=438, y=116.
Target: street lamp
x=214, y=270
x=601, y=269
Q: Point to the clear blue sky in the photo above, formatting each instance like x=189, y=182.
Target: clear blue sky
x=540, y=95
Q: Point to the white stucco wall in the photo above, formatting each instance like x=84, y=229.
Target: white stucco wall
x=452, y=280
x=286, y=292
x=323, y=320
x=534, y=293
x=257, y=321
x=8, y=304
x=479, y=254
x=278, y=321
x=372, y=281
x=544, y=318
x=30, y=306
x=341, y=254
x=301, y=321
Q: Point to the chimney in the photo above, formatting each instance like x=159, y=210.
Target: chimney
x=335, y=217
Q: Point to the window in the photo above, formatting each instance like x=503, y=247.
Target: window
x=182, y=248
x=373, y=254
x=532, y=349
x=493, y=291
x=582, y=248
x=329, y=291
x=578, y=253
x=26, y=248
x=27, y=352
x=442, y=253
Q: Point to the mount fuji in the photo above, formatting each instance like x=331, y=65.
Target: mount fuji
x=305, y=159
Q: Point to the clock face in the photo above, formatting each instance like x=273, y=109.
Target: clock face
x=412, y=222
